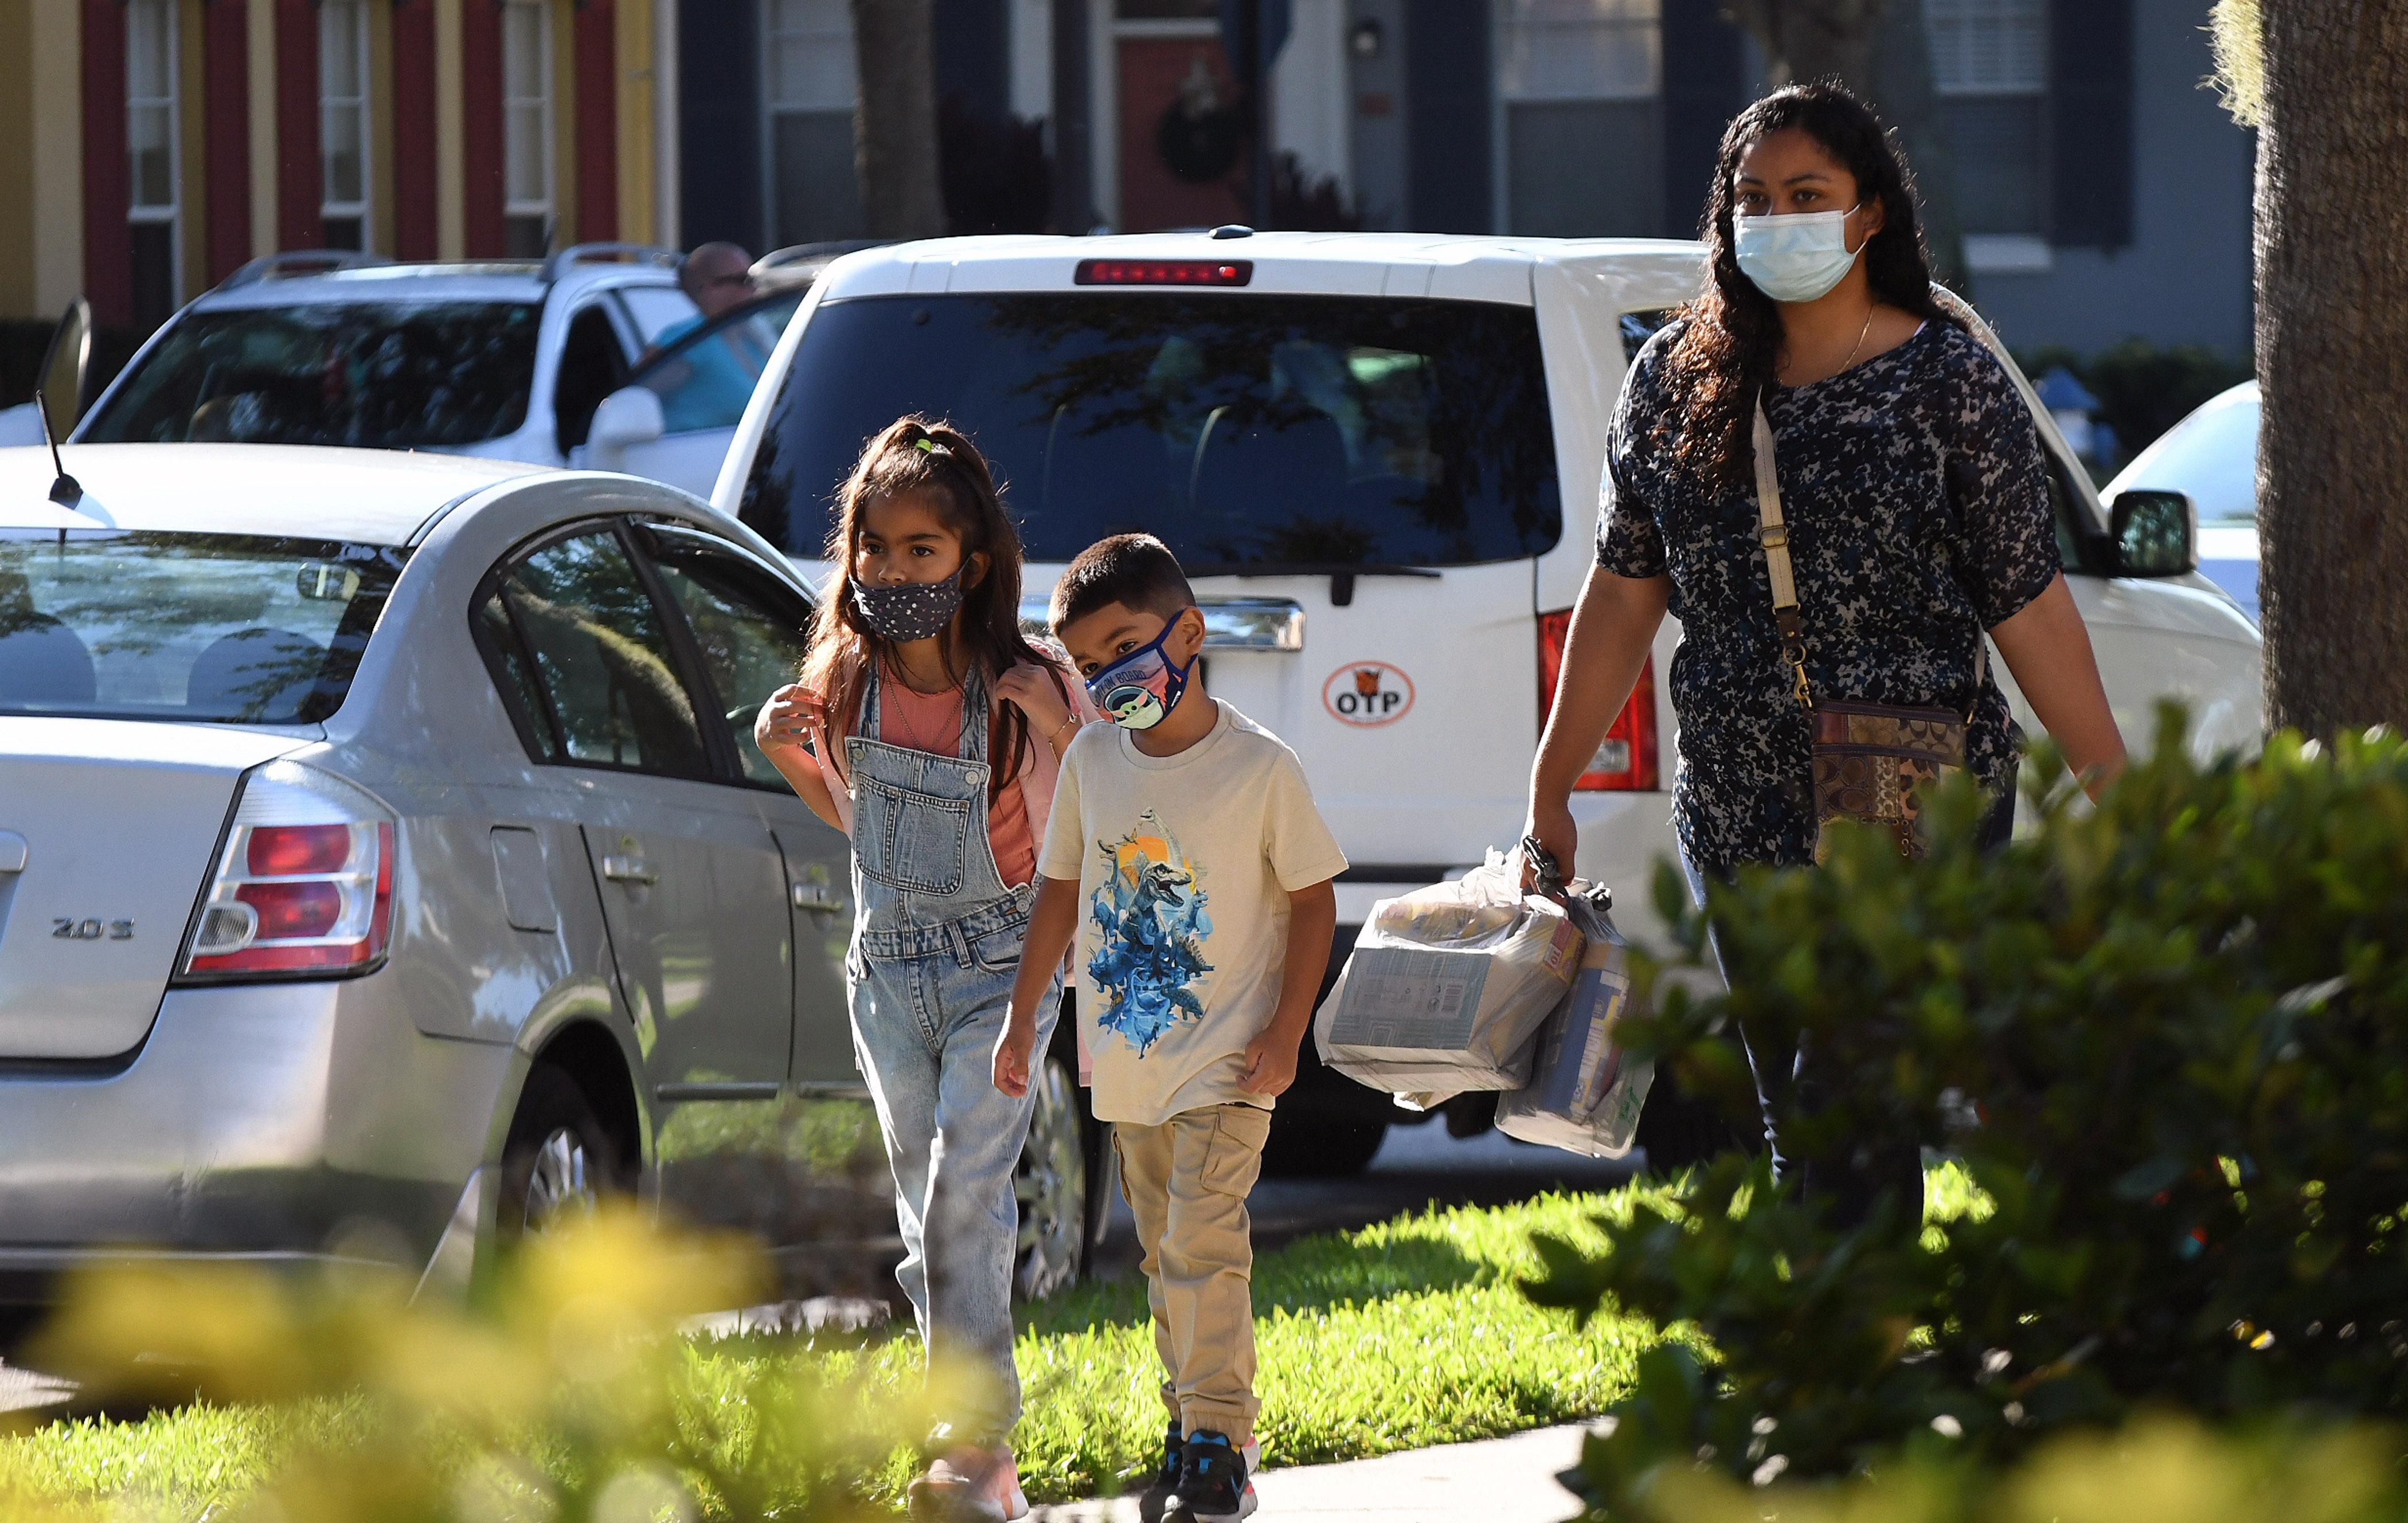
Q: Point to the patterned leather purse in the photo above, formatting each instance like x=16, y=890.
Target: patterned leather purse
x=1871, y=761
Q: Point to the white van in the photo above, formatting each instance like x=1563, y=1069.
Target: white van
x=1377, y=455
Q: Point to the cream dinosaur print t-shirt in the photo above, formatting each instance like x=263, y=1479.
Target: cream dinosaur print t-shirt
x=1184, y=864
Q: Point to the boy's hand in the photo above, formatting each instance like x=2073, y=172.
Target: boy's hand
x=1012, y=1050
x=1271, y=1063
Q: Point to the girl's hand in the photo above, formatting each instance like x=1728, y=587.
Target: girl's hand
x=1033, y=691
x=790, y=715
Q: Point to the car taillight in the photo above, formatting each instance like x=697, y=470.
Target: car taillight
x=304, y=889
x=1626, y=760
x=1164, y=272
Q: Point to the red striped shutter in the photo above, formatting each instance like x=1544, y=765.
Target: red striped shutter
x=300, y=184
x=415, y=214
x=598, y=122
x=107, y=175
x=226, y=133
x=480, y=111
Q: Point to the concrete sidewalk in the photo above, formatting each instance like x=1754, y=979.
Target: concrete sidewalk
x=1499, y=1480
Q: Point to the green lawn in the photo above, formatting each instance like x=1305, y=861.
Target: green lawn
x=1402, y=1334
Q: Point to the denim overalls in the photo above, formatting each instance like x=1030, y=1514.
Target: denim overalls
x=936, y=948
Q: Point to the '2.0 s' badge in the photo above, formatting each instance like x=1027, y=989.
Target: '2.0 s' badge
x=1368, y=694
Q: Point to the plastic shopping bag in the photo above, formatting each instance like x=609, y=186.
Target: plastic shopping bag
x=1584, y=1093
x=1448, y=986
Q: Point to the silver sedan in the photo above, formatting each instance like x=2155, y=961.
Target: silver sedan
x=386, y=867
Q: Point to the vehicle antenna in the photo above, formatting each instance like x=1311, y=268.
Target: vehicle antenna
x=67, y=490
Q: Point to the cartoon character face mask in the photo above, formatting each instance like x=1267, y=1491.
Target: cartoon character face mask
x=1138, y=690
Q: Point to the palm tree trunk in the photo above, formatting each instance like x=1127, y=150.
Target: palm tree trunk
x=894, y=125
x=2332, y=354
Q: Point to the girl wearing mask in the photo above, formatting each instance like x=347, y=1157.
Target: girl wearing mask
x=1917, y=519
x=930, y=731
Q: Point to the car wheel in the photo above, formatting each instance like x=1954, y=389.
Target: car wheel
x=1681, y=1130
x=1052, y=1184
x=1306, y=1147
x=559, y=1161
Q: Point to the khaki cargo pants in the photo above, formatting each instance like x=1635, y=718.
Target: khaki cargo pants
x=1185, y=1181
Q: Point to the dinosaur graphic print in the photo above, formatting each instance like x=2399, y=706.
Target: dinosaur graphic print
x=1151, y=914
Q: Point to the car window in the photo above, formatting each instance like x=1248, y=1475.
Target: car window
x=752, y=629
x=231, y=628
x=591, y=366
x=381, y=375
x=656, y=309
x=1248, y=429
x=705, y=373
x=570, y=626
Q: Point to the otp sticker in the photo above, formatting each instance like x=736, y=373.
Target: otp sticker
x=1368, y=694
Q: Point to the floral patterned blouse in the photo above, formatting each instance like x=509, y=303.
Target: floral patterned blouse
x=1918, y=509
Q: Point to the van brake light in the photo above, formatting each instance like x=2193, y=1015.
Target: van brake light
x=304, y=888
x=1627, y=761
x=1164, y=272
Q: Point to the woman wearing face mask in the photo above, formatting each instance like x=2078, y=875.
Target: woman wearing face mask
x=936, y=733
x=1915, y=516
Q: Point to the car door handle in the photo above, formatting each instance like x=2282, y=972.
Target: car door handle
x=629, y=870
x=818, y=900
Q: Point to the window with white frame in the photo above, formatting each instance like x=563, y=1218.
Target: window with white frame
x=156, y=203
x=1578, y=86
x=527, y=199
x=809, y=88
x=1989, y=64
x=343, y=121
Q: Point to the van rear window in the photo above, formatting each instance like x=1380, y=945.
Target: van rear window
x=1248, y=431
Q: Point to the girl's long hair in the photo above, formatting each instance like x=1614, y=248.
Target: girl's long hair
x=954, y=478
x=1730, y=350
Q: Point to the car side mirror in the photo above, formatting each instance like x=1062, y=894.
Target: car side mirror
x=2152, y=534
x=628, y=417
x=66, y=367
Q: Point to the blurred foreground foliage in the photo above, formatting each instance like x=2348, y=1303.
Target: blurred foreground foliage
x=566, y=1394
x=2168, y=1039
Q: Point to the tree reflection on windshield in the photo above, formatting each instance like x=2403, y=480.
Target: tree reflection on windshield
x=379, y=374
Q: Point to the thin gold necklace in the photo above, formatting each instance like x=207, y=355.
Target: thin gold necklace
x=1871, y=308
x=911, y=731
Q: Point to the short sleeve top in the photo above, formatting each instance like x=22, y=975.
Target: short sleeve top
x=1918, y=509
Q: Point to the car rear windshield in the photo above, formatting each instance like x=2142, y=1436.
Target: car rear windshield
x=381, y=374
x=233, y=628
x=1247, y=431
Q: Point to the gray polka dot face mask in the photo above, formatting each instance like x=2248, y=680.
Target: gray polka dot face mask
x=909, y=611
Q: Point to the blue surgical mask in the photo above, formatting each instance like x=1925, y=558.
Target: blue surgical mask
x=1138, y=689
x=1797, y=256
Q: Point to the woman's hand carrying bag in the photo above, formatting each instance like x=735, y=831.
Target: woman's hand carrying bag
x=1871, y=761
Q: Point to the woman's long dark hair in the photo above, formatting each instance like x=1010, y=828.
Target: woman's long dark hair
x=1730, y=349
x=951, y=475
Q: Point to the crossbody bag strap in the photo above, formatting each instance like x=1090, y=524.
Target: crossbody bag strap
x=1773, y=534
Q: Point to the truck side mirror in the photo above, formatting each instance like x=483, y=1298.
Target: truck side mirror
x=2153, y=533
x=628, y=417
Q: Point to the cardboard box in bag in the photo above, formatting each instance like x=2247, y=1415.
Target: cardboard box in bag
x=1448, y=986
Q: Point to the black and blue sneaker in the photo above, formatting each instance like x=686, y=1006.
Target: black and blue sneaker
x=1215, y=1484
x=1155, y=1498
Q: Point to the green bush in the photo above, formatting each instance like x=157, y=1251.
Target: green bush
x=2168, y=1040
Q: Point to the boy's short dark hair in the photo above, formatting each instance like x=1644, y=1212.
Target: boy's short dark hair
x=1136, y=571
